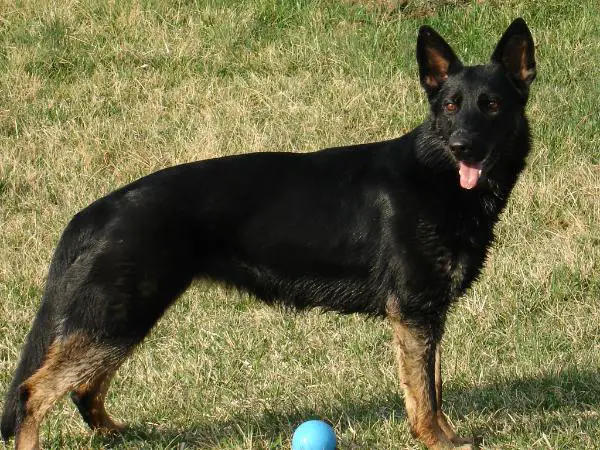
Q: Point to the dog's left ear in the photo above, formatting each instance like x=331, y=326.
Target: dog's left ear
x=516, y=53
x=436, y=60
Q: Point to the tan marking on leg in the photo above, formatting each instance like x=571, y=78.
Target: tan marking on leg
x=441, y=417
x=69, y=362
x=416, y=361
x=443, y=423
x=89, y=398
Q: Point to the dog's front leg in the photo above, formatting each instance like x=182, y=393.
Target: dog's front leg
x=416, y=354
x=441, y=417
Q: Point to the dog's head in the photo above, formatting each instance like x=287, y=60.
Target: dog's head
x=476, y=108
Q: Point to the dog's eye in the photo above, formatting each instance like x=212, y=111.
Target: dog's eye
x=450, y=106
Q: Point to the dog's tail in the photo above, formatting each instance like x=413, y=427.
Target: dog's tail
x=75, y=240
x=39, y=339
x=43, y=331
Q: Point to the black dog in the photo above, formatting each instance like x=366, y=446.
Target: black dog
x=397, y=228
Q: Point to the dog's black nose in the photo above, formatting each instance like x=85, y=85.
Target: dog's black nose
x=458, y=147
x=459, y=144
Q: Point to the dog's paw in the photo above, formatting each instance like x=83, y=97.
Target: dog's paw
x=462, y=441
x=111, y=428
x=464, y=444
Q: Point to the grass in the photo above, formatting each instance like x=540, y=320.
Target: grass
x=96, y=94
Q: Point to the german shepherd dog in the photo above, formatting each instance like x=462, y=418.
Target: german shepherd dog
x=397, y=229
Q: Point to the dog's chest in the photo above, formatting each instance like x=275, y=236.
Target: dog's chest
x=457, y=270
x=455, y=251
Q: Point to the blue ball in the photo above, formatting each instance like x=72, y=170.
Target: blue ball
x=314, y=435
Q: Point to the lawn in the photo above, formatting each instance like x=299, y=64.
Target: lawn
x=96, y=94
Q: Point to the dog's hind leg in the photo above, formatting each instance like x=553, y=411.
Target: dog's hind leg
x=69, y=363
x=416, y=355
x=89, y=399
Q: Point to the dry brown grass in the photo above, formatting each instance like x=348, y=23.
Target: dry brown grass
x=96, y=94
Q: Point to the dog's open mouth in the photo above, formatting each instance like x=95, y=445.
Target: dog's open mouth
x=469, y=174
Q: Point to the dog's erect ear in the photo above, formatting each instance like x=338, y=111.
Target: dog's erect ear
x=436, y=60
x=516, y=53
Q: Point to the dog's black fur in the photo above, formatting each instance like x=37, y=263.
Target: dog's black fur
x=398, y=228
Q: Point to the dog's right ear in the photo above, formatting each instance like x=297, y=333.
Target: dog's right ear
x=436, y=60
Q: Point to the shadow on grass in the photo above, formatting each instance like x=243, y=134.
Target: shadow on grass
x=568, y=390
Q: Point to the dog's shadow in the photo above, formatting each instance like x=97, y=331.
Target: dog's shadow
x=571, y=391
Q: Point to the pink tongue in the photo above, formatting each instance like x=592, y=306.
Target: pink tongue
x=469, y=174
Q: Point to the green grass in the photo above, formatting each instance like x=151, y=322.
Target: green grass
x=96, y=94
